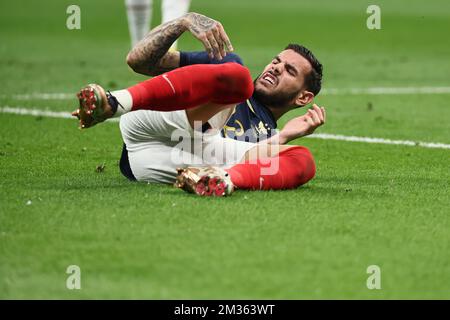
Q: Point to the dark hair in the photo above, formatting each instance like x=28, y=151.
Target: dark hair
x=313, y=80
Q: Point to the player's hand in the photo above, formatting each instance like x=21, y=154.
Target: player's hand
x=211, y=33
x=303, y=125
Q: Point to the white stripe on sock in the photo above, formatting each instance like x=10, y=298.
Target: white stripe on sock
x=125, y=102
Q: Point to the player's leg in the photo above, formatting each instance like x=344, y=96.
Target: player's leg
x=139, y=13
x=180, y=89
x=273, y=167
x=153, y=148
x=173, y=9
x=249, y=166
x=192, y=86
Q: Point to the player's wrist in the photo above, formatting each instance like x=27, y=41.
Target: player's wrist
x=282, y=138
x=185, y=21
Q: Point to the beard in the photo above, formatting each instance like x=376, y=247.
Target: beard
x=273, y=99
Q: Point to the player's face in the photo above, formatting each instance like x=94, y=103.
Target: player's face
x=282, y=80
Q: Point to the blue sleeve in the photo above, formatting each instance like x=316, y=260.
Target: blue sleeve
x=201, y=57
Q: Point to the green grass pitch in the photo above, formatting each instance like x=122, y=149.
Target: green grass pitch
x=370, y=204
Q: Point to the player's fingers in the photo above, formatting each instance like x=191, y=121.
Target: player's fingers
x=318, y=111
x=219, y=41
x=314, y=116
x=214, y=45
x=324, y=114
x=310, y=117
x=310, y=121
x=207, y=45
x=225, y=38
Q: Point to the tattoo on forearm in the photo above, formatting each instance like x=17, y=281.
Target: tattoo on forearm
x=148, y=53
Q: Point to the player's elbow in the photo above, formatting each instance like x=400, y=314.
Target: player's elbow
x=135, y=64
x=131, y=60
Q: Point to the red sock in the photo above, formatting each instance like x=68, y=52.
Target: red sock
x=194, y=85
x=296, y=167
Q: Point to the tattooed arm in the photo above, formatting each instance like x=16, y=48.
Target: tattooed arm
x=150, y=56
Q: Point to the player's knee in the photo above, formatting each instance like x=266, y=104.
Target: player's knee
x=305, y=164
x=244, y=81
x=238, y=79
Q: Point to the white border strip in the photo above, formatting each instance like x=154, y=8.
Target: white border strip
x=325, y=91
x=324, y=136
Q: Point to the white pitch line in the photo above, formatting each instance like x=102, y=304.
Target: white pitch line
x=41, y=96
x=324, y=136
x=327, y=136
x=41, y=113
x=325, y=91
x=386, y=90
x=35, y=112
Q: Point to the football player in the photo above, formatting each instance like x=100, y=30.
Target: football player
x=237, y=115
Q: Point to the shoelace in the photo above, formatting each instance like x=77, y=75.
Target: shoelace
x=113, y=102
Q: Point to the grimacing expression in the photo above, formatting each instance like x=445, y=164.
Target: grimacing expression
x=282, y=80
